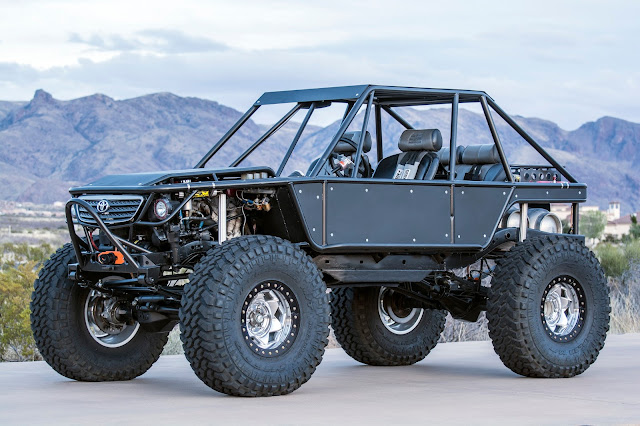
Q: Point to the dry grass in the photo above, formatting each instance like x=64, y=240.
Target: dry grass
x=463, y=331
x=625, y=301
x=174, y=345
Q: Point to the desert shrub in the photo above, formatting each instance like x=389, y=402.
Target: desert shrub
x=632, y=251
x=592, y=224
x=13, y=254
x=16, y=340
x=616, y=259
x=625, y=300
x=174, y=345
x=634, y=232
x=463, y=331
x=19, y=269
x=612, y=259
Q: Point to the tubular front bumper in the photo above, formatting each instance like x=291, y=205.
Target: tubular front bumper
x=140, y=264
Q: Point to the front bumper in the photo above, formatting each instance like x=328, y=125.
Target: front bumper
x=142, y=264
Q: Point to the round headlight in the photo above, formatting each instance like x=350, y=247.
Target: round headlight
x=551, y=223
x=162, y=208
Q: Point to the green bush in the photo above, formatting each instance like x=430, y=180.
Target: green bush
x=16, y=340
x=634, y=232
x=612, y=259
x=625, y=300
x=19, y=269
x=592, y=224
x=616, y=259
x=621, y=263
x=23, y=252
x=632, y=251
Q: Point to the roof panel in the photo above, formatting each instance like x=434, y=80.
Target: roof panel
x=311, y=95
x=389, y=95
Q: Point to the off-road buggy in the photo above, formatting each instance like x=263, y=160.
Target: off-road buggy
x=242, y=256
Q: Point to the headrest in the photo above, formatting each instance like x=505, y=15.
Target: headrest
x=480, y=154
x=420, y=140
x=348, y=143
x=443, y=155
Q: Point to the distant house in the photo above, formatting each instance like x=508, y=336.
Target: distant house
x=613, y=212
x=563, y=211
x=586, y=209
x=616, y=226
x=619, y=227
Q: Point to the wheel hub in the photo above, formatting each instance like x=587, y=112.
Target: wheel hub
x=101, y=315
x=270, y=318
x=396, y=317
x=260, y=315
x=104, y=312
x=563, y=308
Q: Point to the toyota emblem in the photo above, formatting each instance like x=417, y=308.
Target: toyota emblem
x=102, y=206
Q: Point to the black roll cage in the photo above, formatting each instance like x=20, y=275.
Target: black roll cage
x=375, y=99
x=379, y=98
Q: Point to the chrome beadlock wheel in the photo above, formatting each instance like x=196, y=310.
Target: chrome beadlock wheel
x=563, y=308
x=395, y=317
x=101, y=318
x=270, y=318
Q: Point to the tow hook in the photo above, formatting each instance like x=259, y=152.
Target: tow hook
x=110, y=258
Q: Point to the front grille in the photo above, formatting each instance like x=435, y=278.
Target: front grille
x=122, y=208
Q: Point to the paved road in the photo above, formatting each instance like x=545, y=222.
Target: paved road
x=458, y=383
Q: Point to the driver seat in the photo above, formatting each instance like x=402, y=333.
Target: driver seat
x=347, y=146
x=418, y=159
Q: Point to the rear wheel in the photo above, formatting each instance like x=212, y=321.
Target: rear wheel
x=548, y=308
x=79, y=332
x=377, y=326
x=255, y=317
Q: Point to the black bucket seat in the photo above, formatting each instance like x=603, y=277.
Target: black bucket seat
x=418, y=159
x=480, y=163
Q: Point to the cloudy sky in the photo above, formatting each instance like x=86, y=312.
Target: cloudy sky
x=567, y=61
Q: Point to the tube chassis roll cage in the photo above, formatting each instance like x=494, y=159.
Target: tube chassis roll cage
x=146, y=264
x=309, y=99
x=384, y=98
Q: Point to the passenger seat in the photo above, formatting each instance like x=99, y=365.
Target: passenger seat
x=443, y=157
x=418, y=159
x=480, y=163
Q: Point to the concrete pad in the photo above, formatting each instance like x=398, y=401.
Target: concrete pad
x=458, y=383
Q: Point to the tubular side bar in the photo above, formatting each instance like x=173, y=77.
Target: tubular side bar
x=532, y=142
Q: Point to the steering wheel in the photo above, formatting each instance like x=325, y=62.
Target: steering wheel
x=342, y=165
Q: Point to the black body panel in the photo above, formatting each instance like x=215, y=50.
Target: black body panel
x=141, y=180
x=386, y=214
x=478, y=210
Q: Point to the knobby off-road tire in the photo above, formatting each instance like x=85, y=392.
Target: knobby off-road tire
x=357, y=319
x=255, y=317
x=548, y=308
x=63, y=338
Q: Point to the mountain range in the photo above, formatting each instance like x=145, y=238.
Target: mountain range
x=48, y=145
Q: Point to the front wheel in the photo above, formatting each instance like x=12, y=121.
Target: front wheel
x=78, y=331
x=548, y=308
x=255, y=317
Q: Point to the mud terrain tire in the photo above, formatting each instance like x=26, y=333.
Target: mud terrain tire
x=240, y=298
x=548, y=308
x=359, y=328
x=62, y=336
